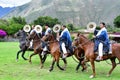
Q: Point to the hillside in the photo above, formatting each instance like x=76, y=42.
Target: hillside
x=78, y=12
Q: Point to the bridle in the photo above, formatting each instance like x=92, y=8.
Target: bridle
x=34, y=37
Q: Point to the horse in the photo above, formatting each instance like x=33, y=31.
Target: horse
x=36, y=37
x=54, y=48
x=23, y=44
x=88, y=47
x=79, y=54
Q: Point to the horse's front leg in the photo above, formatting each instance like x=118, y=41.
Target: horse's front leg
x=17, y=57
x=31, y=57
x=65, y=63
x=42, y=60
x=52, y=66
x=59, y=65
x=78, y=66
x=23, y=55
x=93, y=68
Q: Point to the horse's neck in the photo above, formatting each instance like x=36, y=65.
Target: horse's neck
x=22, y=36
x=36, y=41
x=85, y=42
x=52, y=39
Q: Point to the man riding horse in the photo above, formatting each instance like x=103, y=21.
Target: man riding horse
x=48, y=30
x=101, y=41
x=65, y=41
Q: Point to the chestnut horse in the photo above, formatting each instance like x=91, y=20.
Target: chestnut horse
x=54, y=48
x=37, y=46
x=88, y=46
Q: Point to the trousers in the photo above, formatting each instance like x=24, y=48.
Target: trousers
x=63, y=48
x=100, y=49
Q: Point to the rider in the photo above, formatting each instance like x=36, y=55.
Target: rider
x=65, y=41
x=101, y=41
x=48, y=30
x=31, y=42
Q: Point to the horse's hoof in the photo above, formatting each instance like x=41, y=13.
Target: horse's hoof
x=50, y=70
x=91, y=76
x=25, y=59
x=41, y=67
x=108, y=75
x=16, y=60
x=76, y=71
x=30, y=62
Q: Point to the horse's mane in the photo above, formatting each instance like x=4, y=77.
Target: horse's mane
x=53, y=35
x=90, y=41
x=83, y=36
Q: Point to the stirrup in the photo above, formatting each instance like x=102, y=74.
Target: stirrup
x=64, y=56
x=99, y=58
x=43, y=53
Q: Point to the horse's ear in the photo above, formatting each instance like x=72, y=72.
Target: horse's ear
x=78, y=34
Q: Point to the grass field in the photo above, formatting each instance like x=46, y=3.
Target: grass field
x=22, y=70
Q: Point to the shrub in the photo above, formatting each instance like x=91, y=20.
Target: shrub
x=2, y=33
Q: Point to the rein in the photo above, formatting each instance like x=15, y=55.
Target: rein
x=52, y=41
x=84, y=42
x=36, y=40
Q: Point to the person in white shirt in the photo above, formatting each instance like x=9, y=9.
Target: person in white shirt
x=31, y=42
x=48, y=30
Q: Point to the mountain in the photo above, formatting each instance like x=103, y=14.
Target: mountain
x=4, y=11
x=77, y=12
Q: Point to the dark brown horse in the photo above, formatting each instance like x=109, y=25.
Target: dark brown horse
x=88, y=46
x=54, y=49
x=21, y=34
x=37, y=46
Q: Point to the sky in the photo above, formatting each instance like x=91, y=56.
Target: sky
x=12, y=3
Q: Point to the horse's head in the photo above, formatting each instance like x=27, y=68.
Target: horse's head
x=48, y=37
x=21, y=34
x=17, y=34
x=76, y=41
x=80, y=39
x=34, y=35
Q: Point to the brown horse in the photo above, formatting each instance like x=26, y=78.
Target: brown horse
x=37, y=47
x=88, y=46
x=54, y=49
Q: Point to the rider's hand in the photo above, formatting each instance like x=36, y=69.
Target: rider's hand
x=94, y=36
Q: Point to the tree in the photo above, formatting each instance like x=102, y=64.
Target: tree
x=12, y=25
x=17, y=20
x=42, y=20
x=70, y=27
x=117, y=21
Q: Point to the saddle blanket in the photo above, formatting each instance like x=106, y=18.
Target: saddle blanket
x=110, y=51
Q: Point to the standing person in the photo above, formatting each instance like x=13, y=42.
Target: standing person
x=101, y=41
x=47, y=31
x=65, y=41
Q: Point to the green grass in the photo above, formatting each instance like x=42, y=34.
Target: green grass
x=22, y=70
